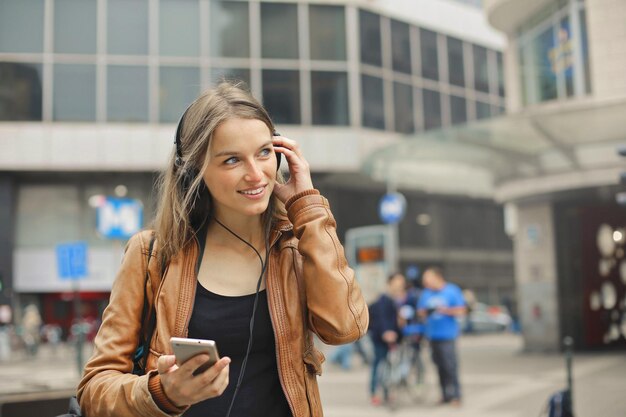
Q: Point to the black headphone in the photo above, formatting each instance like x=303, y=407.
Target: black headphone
x=188, y=175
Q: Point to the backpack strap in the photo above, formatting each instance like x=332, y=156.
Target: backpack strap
x=148, y=311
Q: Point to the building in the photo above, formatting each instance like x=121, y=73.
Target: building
x=91, y=90
x=552, y=161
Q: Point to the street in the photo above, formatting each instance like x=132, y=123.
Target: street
x=498, y=381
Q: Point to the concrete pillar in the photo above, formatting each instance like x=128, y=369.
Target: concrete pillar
x=536, y=276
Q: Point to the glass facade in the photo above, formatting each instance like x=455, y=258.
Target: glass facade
x=553, y=53
x=124, y=67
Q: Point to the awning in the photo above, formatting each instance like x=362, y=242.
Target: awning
x=553, y=147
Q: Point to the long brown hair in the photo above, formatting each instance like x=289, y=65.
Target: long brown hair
x=184, y=202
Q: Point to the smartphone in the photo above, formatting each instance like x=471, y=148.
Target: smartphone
x=185, y=349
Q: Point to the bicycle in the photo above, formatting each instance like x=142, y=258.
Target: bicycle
x=401, y=375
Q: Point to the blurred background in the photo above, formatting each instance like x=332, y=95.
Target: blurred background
x=482, y=137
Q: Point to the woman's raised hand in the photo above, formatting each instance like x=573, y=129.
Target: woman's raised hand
x=300, y=174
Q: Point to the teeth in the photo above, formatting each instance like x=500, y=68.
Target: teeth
x=252, y=192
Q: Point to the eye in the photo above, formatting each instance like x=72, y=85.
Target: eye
x=266, y=152
x=231, y=161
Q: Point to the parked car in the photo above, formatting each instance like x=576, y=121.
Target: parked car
x=486, y=318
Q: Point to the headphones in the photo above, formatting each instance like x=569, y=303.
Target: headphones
x=187, y=176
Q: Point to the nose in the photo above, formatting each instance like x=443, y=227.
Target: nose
x=254, y=173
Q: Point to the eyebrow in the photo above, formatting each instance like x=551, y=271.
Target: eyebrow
x=234, y=153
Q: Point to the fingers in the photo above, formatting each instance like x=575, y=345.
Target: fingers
x=165, y=363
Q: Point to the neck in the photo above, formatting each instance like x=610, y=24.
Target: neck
x=249, y=229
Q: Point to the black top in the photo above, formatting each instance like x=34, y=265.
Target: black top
x=226, y=320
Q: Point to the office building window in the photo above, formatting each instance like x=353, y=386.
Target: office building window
x=458, y=109
x=430, y=57
x=21, y=25
x=127, y=93
x=74, y=93
x=500, y=73
x=369, y=29
x=327, y=28
x=483, y=110
x=548, y=51
x=127, y=27
x=403, y=107
x=178, y=88
x=432, y=109
x=281, y=95
x=329, y=91
x=373, y=114
x=400, y=47
x=279, y=30
x=230, y=29
x=20, y=84
x=481, y=69
x=179, y=28
x=233, y=75
x=456, y=64
x=75, y=26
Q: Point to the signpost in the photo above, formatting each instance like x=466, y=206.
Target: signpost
x=72, y=266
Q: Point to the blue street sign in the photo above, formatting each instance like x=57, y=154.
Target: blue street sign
x=392, y=207
x=119, y=218
x=72, y=260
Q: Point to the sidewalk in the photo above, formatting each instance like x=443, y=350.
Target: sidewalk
x=498, y=381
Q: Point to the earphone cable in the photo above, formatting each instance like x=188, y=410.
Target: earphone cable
x=256, y=299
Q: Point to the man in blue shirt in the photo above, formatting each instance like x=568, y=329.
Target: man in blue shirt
x=440, y=303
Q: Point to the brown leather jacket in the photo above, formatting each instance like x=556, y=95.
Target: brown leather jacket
x=310, y=288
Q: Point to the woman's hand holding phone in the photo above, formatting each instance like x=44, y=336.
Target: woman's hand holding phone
x=183, y=388
x=300, y=173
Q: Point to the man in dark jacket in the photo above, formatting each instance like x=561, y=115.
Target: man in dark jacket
x=384, y=328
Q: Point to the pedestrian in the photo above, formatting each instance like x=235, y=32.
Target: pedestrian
x=384, y=329
x=440, y=304
x=31, y=325
x=249, y=261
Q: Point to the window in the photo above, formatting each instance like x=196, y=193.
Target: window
x=327, y=27
x=430, y=58
x=75, y=26
x=20, y=84
x=179, y=28
x=127, y=93
x=230, y=33
x=400, y=47
x=458, y=109
x=483, y=110
x=279, y=30
x=562, y=58
x=74, y=92
x=127, y=27
x=21, y=25
x=456, y=64
x=329, y=91
x=481, y=69
x=179, y=86
x=500, y=74
x=373, y=104
x=432, y=109
x=281, y=95
x=369, y=25
x=403, y=107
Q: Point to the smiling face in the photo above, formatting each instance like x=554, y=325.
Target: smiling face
x=241, y=169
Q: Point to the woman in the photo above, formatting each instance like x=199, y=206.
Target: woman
x=233, y=241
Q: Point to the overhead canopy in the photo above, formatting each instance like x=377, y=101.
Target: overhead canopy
x=565, y=145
